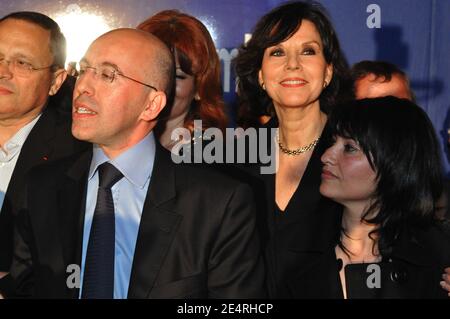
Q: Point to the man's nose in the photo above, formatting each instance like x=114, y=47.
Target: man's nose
x=5, y=70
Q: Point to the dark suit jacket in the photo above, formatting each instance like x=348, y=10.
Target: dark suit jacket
x=197, y=236
x=50, y=139
x=412, y=271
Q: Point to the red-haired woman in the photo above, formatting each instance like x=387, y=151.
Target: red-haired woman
x=198, y=94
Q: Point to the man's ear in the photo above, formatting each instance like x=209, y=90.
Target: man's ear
x=59, y=77
x=156, y=102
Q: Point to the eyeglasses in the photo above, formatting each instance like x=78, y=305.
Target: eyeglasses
x=21, y=67
x=108, y=74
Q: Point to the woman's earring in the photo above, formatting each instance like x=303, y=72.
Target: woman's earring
x=197, y=97
x=263, y=86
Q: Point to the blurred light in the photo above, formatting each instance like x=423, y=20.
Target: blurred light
x=211, y=28
x=247, y=37
x=80, y=28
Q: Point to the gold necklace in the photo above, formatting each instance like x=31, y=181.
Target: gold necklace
x=298, y=151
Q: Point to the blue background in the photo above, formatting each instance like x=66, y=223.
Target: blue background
x=414, y=34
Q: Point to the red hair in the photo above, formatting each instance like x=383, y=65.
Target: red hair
x=198, y=57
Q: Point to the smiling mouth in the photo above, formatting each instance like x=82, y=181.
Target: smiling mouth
x=83, y=110
x=293, y=82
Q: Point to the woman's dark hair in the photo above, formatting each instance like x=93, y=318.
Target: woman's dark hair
x=401, y=146
x=275, y=27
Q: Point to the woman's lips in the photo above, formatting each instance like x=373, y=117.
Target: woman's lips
x=293, y=82
x=327, y=174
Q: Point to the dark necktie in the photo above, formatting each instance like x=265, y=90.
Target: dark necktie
x=98, y=280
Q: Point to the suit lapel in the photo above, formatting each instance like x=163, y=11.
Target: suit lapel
x=35, y=150
x=157, y=227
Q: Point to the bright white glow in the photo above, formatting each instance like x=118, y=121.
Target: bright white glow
x=247, y=37
x=210, y=26
x=80, y=28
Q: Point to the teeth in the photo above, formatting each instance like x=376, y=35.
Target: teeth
x=82, y=110
x=294, y=82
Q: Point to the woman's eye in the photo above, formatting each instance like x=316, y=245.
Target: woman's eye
x=349, y=148
x=277, y=52
x=309, y=51
x=180, y=77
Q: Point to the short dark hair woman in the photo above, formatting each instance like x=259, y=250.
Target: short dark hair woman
x=384, y=168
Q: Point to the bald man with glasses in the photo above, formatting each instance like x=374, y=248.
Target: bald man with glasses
x=122, y=220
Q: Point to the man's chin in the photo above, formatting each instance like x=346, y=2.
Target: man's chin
x=81, y=135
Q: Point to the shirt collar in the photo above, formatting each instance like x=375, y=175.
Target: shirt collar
x=17, y=140
x=136, y=163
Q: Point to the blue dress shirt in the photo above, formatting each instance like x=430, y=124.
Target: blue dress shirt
x=136, y=165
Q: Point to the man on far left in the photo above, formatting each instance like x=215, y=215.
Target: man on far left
x=32, y=130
